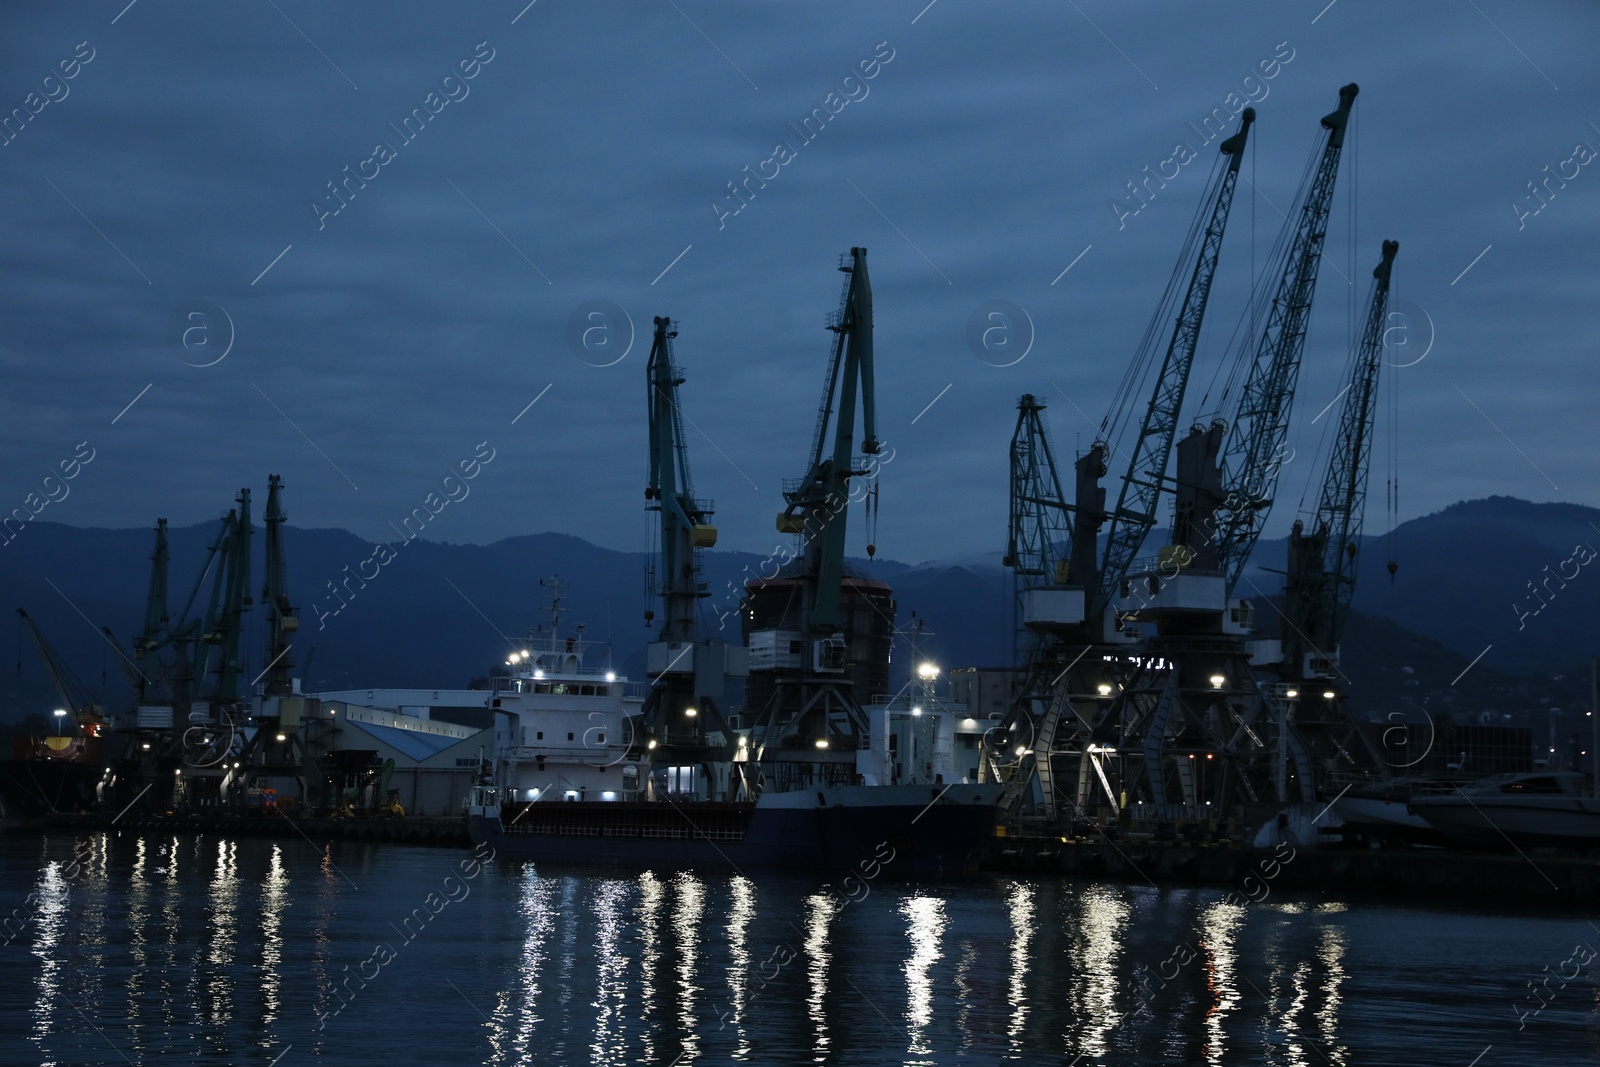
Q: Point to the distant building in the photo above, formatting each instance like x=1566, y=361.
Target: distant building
x=435, y=760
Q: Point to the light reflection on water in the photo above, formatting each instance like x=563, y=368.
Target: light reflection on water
x=1219, y=927
x=686, y=929
x=925, y=926
x=819, y=915
x=741, y=913
x=1099, y=940
x=1020, y=903
x=230, y=951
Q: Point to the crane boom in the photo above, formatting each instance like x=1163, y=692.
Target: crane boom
x=224, y=623
x=1262, y=420
x=817, y=505
x=1322, y=570
x=155, y=616
x=681, y=718
x=1040, y=517
x=281, y=620
x=685, y=522
x=1135, y=512
x=74, y=694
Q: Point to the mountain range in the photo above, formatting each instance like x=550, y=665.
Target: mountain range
x=1500, y=584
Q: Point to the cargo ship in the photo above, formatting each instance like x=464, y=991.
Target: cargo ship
x=575, y=781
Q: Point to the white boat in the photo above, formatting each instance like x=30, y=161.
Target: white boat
x=1535, y=808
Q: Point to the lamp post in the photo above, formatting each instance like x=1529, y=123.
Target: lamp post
x=61, y=715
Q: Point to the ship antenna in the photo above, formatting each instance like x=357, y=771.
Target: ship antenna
x=554, y=586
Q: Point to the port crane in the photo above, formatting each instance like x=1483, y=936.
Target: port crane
x=1199, y=726
x=275, y=749
x=86, y=714
x=682, y=725
x=1321, y=575
x=1322, y=561
x=1078, y=656
x=807, y=715
x=221, y=634
x=1261, y=422
x=189, y=709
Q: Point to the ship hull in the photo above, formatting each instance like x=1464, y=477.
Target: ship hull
x=860, y=829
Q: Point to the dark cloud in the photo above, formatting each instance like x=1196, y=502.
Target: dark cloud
x=979, y=162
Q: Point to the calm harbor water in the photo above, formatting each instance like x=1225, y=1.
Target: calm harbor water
x=145, y=950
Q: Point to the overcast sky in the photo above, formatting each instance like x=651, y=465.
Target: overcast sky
x=579, y=156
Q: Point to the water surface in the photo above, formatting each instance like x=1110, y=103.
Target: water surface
x=146, y=950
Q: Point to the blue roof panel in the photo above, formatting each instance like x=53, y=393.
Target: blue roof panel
x=410, y=743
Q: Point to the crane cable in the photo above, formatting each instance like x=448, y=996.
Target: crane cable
x=1253, y=317
x=1114, y=426
x=1393, y=486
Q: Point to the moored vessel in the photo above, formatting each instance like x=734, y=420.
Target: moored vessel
x=1541, y=808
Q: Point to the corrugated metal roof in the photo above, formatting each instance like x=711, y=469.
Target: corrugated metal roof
x=409, y=743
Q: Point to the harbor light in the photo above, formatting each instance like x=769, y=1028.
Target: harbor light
x=691, y=712
x=281, y=737
x=1327, y=694
x=1291, y=694
x=652, y=743
x=917, y=710
x=1104, y=689
x=145, y=746
x=743, y=741
x=611, y=676
x=822, y=742
x=927, y=671
x=1217, y=681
